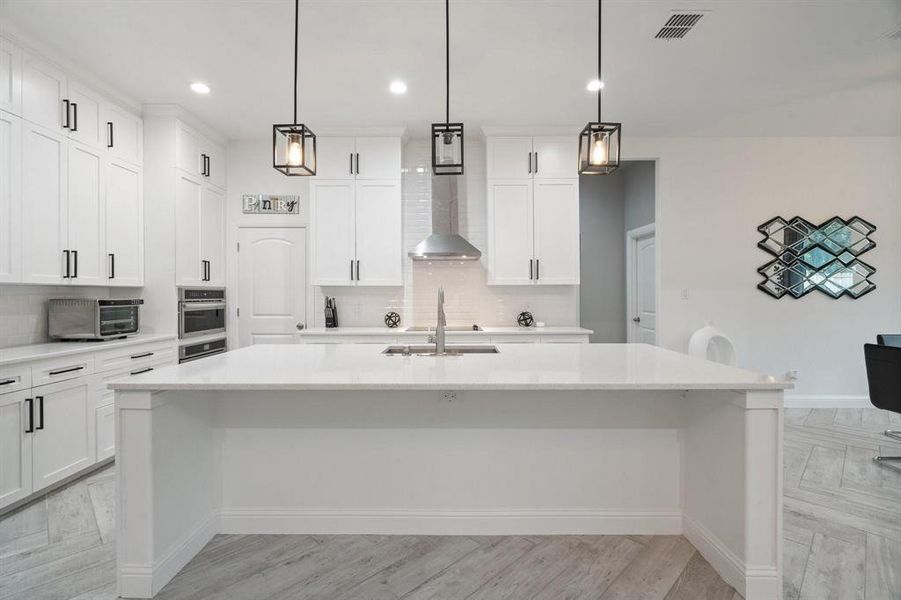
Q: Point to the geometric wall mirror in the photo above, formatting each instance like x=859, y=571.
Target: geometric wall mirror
x=821, y=257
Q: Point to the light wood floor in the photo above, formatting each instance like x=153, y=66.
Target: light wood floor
x=842, y=542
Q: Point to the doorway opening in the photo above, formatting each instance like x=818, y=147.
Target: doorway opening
x=618, y=291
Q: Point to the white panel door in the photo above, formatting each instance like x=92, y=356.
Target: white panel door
x=642, y=288
x=85, y=125
x=510, y=227
x=556, y=231
x=332, y=224
x=122, y=133
x=124, y=224
x=377, y=158
x=509, y=157
x=556, y=157
x=10, y=77
x=187, y=149
x=212, y=234
x=334, y=158
x=43, y=91
x=379, y=233
x=86, y=216
x=10, y=198
x=63, y=441
x=44, y=207
x=188, y=268
x=272, y=269
x=15, y=447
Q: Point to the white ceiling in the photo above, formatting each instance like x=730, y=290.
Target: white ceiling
x=750, y=67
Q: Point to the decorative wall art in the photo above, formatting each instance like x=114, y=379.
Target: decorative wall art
x=821, y=257
x=264, y=204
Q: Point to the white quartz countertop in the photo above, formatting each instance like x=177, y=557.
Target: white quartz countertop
x=18, y=354
x=486, y=331
x=516, y=367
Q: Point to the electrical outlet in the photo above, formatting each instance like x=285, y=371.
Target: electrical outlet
x=685, y=293
x=449, y=396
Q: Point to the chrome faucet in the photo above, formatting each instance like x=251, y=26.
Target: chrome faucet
x=438, y=338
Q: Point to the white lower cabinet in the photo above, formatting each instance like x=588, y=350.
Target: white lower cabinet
x=62, y=441
x=105, y=419
x=15, y=447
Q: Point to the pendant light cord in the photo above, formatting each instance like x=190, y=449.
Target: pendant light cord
x=446, y=62
x=600, y=81
x=296, y=36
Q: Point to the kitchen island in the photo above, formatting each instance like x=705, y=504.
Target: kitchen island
x=536, y=439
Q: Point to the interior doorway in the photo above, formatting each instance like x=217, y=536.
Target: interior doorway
x=641, y=285
x=272, y=280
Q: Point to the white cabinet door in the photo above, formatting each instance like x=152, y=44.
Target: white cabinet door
x=556, y=231
x=378, y=233
x=212, y=234
x=10, y=77
x=510, y=232
x=10, y=198
x=85, y=124
x=105, y=426
x=123, y=133
x=214, y=154
x=44, y=209
x=332, y=220
x=43, y=91
x=15, y=447
x=555, y=157
x=124, y=224
x=509, y=157
x=377, y=158
x=86, y=216
x=187, y=149
x=63, y=440
x=188, y=268
x=334, y=158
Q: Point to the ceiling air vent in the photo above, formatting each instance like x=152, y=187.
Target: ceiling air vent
x=678, y=25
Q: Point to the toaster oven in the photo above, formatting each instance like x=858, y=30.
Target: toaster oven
x=93, y=319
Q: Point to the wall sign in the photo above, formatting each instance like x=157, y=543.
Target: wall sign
x=821, y=257
x=265, y=204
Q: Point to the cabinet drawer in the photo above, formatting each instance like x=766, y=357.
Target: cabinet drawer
x=347, y=339
x=564, y=338
x=514, y=339
x=61, y=369
x=106, y=396
x=120, y=359
x=14, y=378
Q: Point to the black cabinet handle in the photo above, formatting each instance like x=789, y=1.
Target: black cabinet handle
x=536, y=162
x=145, y=355
x=30, y=427
x=112, y=266
x=74, y=116
x=7, y=381
x=530, y=162
x=67, y=253
x=109, y=134
x=358, y=163
x=71, y=370
x=209, y=270
x=75, y=258
x=208, y=165
x=40, y=412
x=139, y=371
x=358, y=270
x=351, y=270
x=531, y=276
x=351, y=163
x=66, y=110
x=537, y=269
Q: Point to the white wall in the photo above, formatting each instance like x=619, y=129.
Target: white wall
x=713, y=193
x=638, y=193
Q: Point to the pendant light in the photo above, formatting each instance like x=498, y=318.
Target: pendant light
x=599, y=142
x=447, y=137
x=294, y=145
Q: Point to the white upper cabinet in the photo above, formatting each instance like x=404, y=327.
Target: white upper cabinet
x=214, y=156
x=84, y=118
x=122, y=133
x=377, y=158
x=10, y=77
x=333, y=234
x=86, y=223
x=533, y=210
x=335, y=157
x=197, y=155
x=10, y=198
x=212, y=235
x=43, y=94
x=378, y=233
x=189, y=270
x=44, y=207
x=124, y=224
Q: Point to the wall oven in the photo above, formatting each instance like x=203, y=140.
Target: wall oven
x=93, y=319
x=201, y=312
x=195, y=350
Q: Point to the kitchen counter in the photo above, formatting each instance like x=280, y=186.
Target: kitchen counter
x=19, y=354
x=486, y=331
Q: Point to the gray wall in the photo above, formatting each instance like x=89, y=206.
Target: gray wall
x=638, y=193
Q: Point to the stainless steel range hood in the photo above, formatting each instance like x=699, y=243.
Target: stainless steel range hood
x=445, y=241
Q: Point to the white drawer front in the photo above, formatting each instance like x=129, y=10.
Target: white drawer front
x=15, y=378
x=61, y=369
x=514, y=339
x=347, y=339
x=106, y=396
x=565, y=338
x=132, y=356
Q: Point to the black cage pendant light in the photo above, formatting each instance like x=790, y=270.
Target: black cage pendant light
x=447, y=137
x=599, y=142
x=293, y=144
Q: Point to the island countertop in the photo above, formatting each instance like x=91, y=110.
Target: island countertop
x=515, y=367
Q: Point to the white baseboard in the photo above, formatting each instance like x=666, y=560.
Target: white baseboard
x=144, y=581
x=802, y=401
x=413, y=522
x=752, y=582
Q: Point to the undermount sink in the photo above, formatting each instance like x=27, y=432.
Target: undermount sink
x=451, y=328
x=429, y=350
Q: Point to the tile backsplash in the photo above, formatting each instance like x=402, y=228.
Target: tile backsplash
x=468, y=297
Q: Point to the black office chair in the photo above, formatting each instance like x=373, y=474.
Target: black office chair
x=889, y=339
x=884, y=380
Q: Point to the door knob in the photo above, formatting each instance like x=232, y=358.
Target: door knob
x=636, y=319
x=299, y=326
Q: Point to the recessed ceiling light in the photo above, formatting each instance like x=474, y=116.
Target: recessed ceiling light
x=594, y=85
x=398, y=87
x=198, y=87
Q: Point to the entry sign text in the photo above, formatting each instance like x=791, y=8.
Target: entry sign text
x=264, y=204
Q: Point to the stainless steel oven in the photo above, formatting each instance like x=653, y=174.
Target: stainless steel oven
x=201, y=312
x=193, y=351
x=93, y=319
